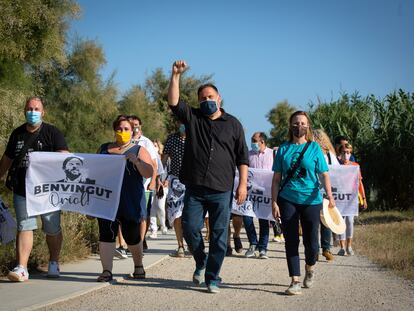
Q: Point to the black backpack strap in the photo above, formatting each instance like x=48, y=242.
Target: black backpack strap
x=294, y=168
x=328, y=154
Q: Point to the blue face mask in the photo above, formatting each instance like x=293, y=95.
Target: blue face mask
x=255, y=147
x=33, y=117
x=181, y=129
x=208, y=107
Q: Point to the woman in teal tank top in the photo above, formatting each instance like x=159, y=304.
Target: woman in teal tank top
x=131, y=209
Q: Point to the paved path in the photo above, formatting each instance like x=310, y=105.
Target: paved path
x=76, y=278
x=349, y=283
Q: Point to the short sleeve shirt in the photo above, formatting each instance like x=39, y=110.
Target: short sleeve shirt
x=303, y=187
x=49, y=139
x=174, y=147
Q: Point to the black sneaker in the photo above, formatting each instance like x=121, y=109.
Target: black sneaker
x=120, y=253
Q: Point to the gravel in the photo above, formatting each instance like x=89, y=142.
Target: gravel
x=348, y=283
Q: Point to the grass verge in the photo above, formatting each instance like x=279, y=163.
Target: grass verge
x=387, y=238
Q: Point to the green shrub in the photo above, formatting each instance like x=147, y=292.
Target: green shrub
x=382, y=132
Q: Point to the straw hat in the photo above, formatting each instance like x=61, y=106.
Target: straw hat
x=332, y=218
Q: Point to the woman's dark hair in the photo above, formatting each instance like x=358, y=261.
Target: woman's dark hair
x=134, y=117
x=338, y=139
x=120, y=119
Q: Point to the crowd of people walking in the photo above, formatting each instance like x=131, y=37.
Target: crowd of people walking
x=187, y=184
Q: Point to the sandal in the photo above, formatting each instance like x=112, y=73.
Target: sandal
x=138, y=275
x=106, y=276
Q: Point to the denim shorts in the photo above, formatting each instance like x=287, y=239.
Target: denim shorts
x=50, y=221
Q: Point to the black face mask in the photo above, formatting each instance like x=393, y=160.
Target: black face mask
x=299, y=131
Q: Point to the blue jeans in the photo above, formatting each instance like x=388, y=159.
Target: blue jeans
x=251, y=232
x=326, y=234
x=197, y=202
x=309, y=218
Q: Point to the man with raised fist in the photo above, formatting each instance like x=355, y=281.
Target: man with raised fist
x=215, y=145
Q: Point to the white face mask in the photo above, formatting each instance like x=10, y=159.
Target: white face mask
x=346, y=156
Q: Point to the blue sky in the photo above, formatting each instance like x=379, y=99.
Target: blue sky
x=260, y=52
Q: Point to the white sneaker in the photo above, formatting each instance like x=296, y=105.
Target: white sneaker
x=153, y=235
x=53, y=270
x=18, y=274
x=164, y=231
x=350, y=251
x=309, y=278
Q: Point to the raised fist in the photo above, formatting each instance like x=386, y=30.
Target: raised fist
x=179, y=67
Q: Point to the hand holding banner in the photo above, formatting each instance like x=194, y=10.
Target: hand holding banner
x=259, y=196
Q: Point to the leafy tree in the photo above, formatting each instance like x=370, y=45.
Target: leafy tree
x=11, y=110
x=32, y=32
x=80, y=103
x=279, y=118
x=351, y=116
x=135, y=102
x=156, y=88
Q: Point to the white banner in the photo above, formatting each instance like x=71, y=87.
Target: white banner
x=89, y=184
x=259, y=195
x=344, y=183
x=175, y=198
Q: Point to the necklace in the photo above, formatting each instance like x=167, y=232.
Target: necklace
x=124, y=146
